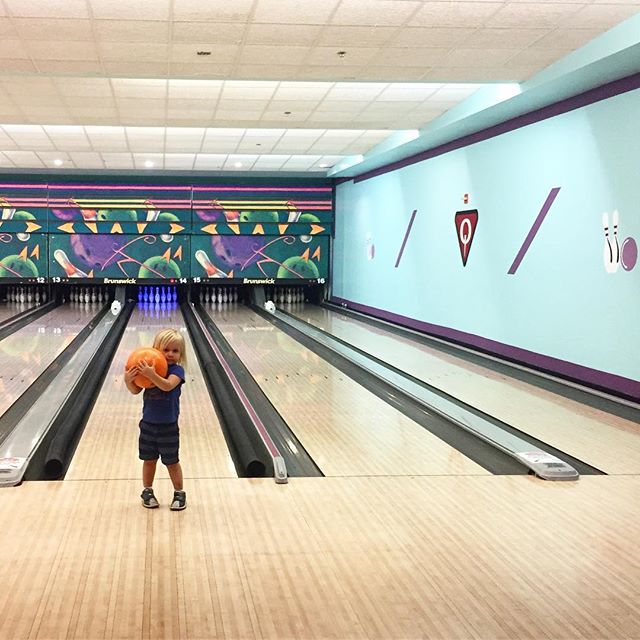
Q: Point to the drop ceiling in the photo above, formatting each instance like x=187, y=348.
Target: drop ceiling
x=257, y=85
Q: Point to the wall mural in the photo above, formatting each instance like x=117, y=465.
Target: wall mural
x=165, y=234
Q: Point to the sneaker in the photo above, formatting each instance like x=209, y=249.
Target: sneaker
x=179, y=501
x=148, y=499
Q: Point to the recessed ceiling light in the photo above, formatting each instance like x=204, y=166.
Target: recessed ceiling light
x=341, y=54
x=148, y=164
x=237, y=165
x=324, y=165
x=57, y=162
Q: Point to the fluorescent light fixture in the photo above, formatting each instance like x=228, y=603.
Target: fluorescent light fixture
x=57, y=162
x=237, y=165
x=148, y=164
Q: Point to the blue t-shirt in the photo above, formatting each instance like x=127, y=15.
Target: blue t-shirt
x=163, y=407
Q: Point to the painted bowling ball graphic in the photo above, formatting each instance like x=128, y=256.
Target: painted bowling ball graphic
x=159, y=267
x=23, y=215
x=95, y=250
x=309, y=218
x=629, y=254
x=166, y=216
x=117, y=215
x=154, y=357
x=230, y=253
x=261, y=217
x=295, y=266
x=16, y=267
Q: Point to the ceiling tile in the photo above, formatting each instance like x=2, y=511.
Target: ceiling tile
x=532, y=15
x=130, y=31
x=515, y=38
x=210, y=161
x=602, y=15
x=86, y=160
x=47, y=8
x=8, y=29
x=69, y=66
x=149, y=89
x=53, y=29
x=24, y=158
x=138, y=51
x=67, y=50
x=345, y=37
x=220, y=54
x=277, y=55
x=352, y=56
x=278, y=34
x=130, y=9
x=13, y=49
x=212, y=10
x=117, y=160
x=374, y=12
x=293, y=11
x=455, y=14
x=559, y=39
x=179, y=161
x=211, y=32
x=432, y=36
x=195, y=89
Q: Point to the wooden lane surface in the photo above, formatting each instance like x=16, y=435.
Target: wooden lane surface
x=469, y=557
x=345, y=428
x=9, y=309
x=108, y=448
x=603, y=440
x=26, y=353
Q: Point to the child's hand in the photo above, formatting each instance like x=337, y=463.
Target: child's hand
x=146, y=369
x=130, y=374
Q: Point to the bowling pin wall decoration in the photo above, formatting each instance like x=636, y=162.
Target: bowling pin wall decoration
x=614, y=253
x=609, y=255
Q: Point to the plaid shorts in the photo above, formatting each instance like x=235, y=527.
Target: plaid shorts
x=159, y=441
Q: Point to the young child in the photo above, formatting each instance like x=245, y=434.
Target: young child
x=159, y=432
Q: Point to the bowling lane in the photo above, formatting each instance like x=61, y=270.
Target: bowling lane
x=108, y=448
x=605, y=441
x=26, y=353
x=346, y=429
x=9, y=309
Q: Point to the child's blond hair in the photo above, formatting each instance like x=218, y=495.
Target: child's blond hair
x=166, y=336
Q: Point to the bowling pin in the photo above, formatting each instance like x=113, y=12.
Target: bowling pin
x=614, y=243
x=211, y=270
x=71, y=270
x=607, y=250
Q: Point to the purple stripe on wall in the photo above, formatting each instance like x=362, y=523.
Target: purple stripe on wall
x=618, y=385
x=534, y=230
x=406, y=236
x=623, y=85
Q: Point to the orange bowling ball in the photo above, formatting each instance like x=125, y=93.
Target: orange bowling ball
x=153, y=357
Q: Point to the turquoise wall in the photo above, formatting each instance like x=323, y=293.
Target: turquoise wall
x=560, y=302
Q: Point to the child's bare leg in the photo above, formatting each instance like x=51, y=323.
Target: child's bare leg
x=175, y=473
x=148, y=472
